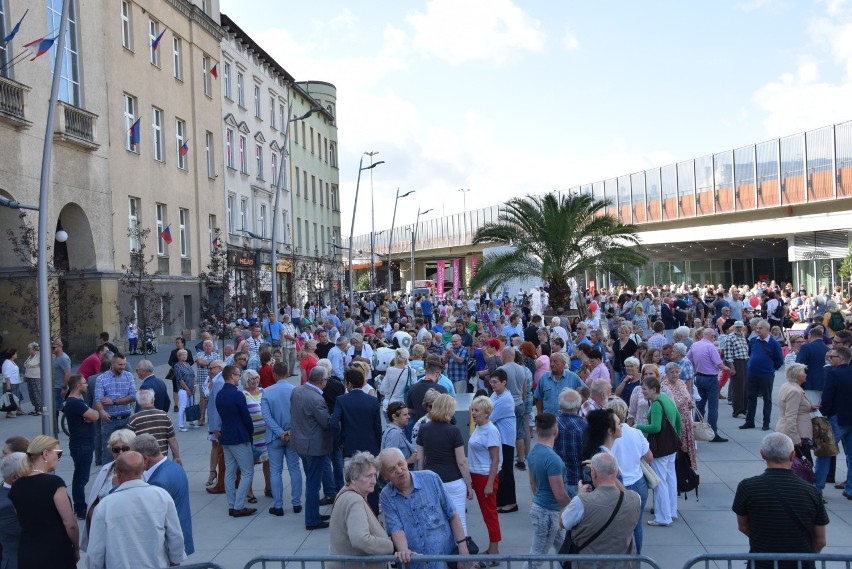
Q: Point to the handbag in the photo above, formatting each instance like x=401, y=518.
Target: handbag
x=193, y=412
x=651, y=478
x=803, y=467
x=472, y=549
x=702, y=429
x=824, y=442
x=571, y=548
x=665, y=442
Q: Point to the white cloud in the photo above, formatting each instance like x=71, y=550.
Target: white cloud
x=493, y=31
x=570, y=41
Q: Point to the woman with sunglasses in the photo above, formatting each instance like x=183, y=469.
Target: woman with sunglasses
x=49, y=532
x=119, y=442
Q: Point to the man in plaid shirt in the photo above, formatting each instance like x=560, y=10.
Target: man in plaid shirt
x=569, y=442
x=115, y=391
x=456, y=359
x=735, y=351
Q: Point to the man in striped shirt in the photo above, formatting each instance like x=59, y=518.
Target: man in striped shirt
x=156, y=423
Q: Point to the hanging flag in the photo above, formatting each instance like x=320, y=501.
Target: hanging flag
x=184, y=149
x=166, y=234
x=216, y=242
x=44, y=45
x=214, y=71
x=14, y=31
x=156, y=43
x=135, y=134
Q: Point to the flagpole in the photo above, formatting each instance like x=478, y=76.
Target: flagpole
x=48, y=417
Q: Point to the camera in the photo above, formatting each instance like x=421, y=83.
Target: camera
x=587, y=476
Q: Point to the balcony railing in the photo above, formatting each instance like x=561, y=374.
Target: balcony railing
x=12, y=95
x=76, y=126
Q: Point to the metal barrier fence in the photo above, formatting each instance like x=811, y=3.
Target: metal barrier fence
x=770, y=561
x=208, y=565
x=506, y=561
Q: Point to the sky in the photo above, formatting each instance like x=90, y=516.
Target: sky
x=515, y=98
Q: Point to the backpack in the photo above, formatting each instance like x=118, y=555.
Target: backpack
x=836, y=322
x=687, y=479
x=8, y=402
x=780, y=310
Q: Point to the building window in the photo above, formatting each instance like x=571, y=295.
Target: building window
x=272, y=111
x=126, y=25
x=320, y=191
x=205, y=74
x=244, y=215
x=327, y=196
x=180, y=139
x=307, y=236
x=296, y=131
x=319, y=145
x=243, y=157
x=133, y=224
x=333, y=199
x=274, y=164
x=153, y=49
x=129, y=120
x=161, y=225
x=299, y=232
x=230, y=213
x=316, y=240
x=208, y=152
x=229, y=147
x=226, y=79
x=312, y=140
x=262, y=220
x=258, y=157
x=322, y=239
x=331, y=152
x=314, y=188
x=257, y=101
x=157, y=133
x=177, y=51
x=184, y=233
x=69, y=78
x=298, y=183
x=211, y=230
x=304, y=138
x=281, y=116
x=305, y=184
x=241, y=93
x=4, y=54
x=325, y=147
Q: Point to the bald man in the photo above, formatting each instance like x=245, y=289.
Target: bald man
x=136, y=525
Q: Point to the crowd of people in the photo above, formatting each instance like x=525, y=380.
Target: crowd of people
x=592, y=407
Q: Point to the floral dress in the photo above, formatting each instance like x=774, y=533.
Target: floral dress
x=257, y=439
x=685, y=404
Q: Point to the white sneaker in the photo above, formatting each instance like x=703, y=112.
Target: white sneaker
x=193, y=425
x=183, y=429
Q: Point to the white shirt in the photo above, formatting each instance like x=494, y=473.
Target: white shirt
x=628, y=449
x=11, y=372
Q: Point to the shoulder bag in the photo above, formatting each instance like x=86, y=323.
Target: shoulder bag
x=665, y=442
x=701, y=428
x=193, y=410
x=651, y=478
x=571, y=548
x=824, y=442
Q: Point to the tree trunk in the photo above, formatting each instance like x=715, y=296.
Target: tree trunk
x=560, y=295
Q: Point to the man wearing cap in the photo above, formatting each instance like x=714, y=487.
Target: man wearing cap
x=735, y=351
x=338, y=358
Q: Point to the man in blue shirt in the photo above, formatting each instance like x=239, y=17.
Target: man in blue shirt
x=275, y=406
x=235, y=438
x=552, y=383
x=764, y=358
x=338, y=358
x=426, y=307
x=419, y=515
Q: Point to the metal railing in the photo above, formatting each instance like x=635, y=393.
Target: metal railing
x=770, y=561
x=77, y=125
x=207, y=565
x=506, y=561
x=12, y=99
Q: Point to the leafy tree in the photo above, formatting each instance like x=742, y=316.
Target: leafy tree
x=139, y=297
x=555, y=237
x=217, y=305
x=845, y=269
x=71, y=301
x=363, y=282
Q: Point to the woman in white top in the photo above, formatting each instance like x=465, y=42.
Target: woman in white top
x=629, y=449
x=485, y=458
x=398, y=375
x=32, y=375
x=12, y=379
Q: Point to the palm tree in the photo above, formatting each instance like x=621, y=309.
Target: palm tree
x=555, y=237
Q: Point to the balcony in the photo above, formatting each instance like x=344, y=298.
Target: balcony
x=76, y=126
x=12, y=95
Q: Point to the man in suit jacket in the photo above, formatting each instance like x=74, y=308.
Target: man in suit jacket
x=235, y=437
x=10, y=529
x=275, y=406
x=311, y=439
x=145, y=371
x=837, y=406
x=171, y=477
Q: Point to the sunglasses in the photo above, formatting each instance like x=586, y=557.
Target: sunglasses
x=58, y=452
x=117, y=450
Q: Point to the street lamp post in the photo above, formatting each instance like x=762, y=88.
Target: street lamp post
x=390, y=238
x=281, y=181
x=413, y=241
x=372, y=225
x=361, y=167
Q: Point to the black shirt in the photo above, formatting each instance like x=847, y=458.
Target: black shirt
x=332, y=390
x=80, y=430
x=324, y=349
x=439, y=442
x=782, y=510
x=415, y=396
x=531, y=334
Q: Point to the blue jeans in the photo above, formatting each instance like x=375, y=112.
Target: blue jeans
x=822, y=464
x=641, y=488
x=108, y=429
x=313, y=476
x=708, y=389
x=759, y=387
x=278, y=451
x=238, y=456
x=548, y=532
x=82, y=453
x=132, y=344
x=846, y=439
x=332, y=474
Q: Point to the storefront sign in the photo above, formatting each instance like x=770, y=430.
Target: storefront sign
x=242, y=259
x=284, y=266
x=455, y=278
x=439, y=277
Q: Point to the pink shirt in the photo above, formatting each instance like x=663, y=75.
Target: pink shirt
x=705, y=357
x=600, y=371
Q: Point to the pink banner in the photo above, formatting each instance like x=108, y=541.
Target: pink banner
x=440, y=279
x=472, y=266
x=455, y=278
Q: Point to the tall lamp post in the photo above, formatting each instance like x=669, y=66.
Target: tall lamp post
x=361, y=168
x=281, y=182
x=372, y=225
x=464, y=209
x=413, y=241
x=390, y=238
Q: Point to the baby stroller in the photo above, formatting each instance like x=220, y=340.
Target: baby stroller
x=149, y=346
